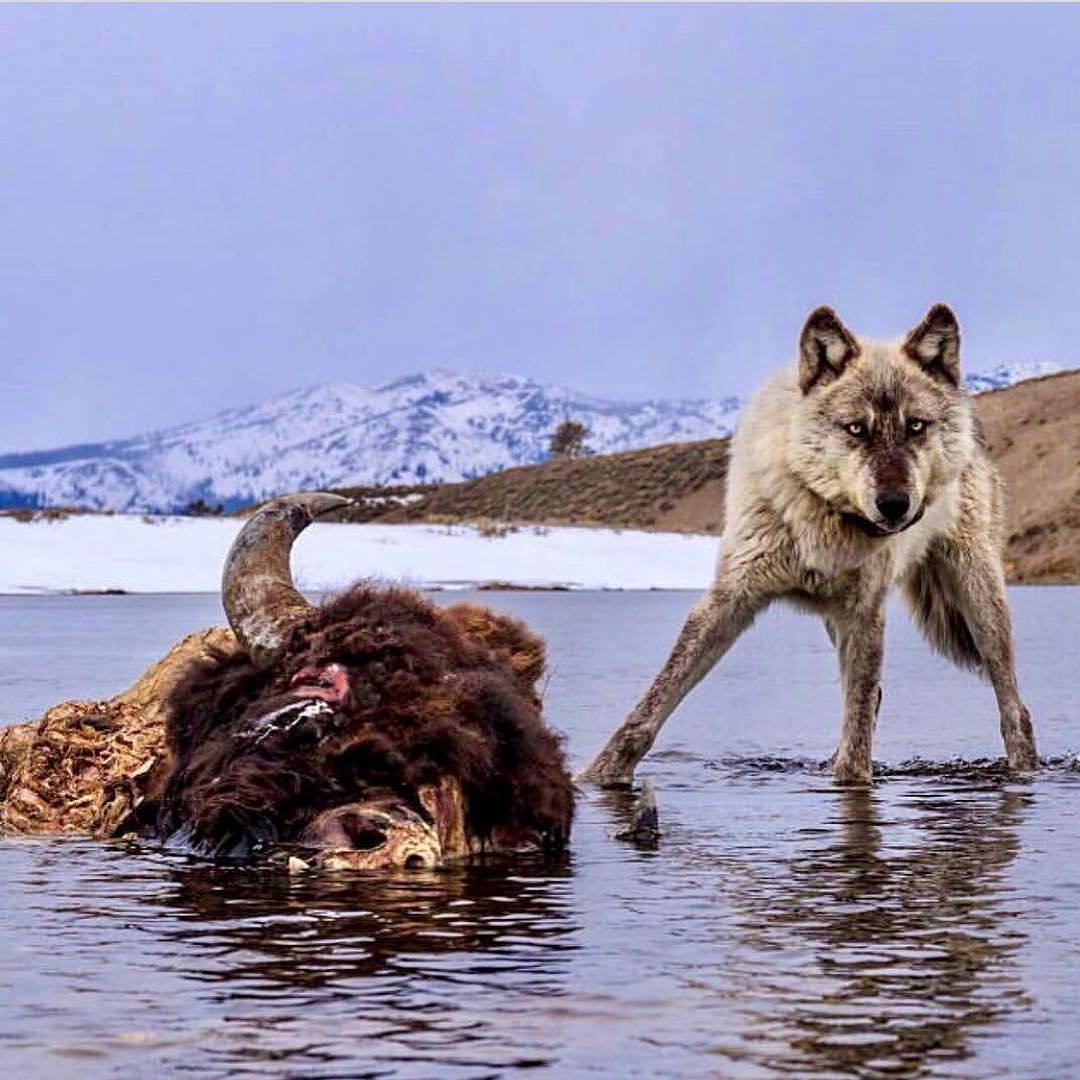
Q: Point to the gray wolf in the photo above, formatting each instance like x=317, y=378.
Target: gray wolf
x=856, y=468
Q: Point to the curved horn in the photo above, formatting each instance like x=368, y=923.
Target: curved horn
x=257, y=590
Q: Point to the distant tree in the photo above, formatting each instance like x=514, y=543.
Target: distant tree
x=568, y=440
x=200, y=508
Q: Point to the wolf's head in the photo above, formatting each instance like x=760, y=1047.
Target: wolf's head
x=883, y=425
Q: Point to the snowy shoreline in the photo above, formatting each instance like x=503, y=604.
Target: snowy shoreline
x=136, y=554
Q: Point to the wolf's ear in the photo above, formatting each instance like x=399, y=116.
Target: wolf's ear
x=826, y=347
x=935, y=345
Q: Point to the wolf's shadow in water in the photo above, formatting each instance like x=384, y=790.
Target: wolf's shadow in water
x=911, y=934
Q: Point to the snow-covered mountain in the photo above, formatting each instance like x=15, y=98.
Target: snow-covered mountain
x=423, y=428
x=997, y=378
x=419, y=429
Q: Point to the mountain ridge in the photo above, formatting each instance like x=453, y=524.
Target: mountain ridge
x=421, y=428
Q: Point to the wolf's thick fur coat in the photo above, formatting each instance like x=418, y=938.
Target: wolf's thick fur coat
x=857, y=467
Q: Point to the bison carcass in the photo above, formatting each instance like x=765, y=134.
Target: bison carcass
x=374, y=730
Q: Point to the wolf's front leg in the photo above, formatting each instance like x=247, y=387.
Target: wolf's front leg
x=985, y=605
x=860, y=642
x=711, y=628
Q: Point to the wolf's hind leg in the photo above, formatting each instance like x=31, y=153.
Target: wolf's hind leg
x=958, y=598
x=711, y=628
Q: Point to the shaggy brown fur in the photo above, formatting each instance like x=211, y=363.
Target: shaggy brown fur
x=435, y=693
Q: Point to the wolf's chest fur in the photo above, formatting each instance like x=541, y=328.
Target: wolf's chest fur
x=830, y=564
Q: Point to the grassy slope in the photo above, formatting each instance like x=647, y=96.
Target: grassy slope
x=1033, y=433
x=1032, y=429
x=637, y=489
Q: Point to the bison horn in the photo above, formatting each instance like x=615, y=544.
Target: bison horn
x=257, y=590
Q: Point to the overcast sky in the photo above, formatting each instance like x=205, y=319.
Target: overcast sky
x=205, y=206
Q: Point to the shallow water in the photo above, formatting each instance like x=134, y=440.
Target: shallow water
x=782, y=927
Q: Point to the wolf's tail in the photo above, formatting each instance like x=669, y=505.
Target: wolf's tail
x=930, y=595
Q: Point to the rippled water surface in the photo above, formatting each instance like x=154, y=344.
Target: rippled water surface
x=928, y=927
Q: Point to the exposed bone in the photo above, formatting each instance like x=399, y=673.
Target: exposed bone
x=372, y=835
x=257, y=591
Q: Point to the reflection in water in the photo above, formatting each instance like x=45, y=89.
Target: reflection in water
x=113, y=956
x=385, y=959
x=781, y=927
x=330, y=927
x=908, y=927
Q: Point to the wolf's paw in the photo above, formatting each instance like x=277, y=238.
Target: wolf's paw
x=1022, y=758
x=847, y=771
x=1019, y=736
x=1024, y=763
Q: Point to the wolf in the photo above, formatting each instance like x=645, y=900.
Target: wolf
x=858, y=467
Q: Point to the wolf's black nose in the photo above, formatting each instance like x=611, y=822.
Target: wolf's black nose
x=893, y=505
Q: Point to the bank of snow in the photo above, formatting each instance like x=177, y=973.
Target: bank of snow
x=137, y=554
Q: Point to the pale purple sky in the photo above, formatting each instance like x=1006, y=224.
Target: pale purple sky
x=202, y=206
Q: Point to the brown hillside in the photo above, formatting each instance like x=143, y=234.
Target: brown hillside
x=1032, y=430
x=1033, y=433
x=678, y=486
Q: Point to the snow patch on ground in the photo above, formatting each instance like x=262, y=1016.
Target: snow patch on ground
x=174, y=554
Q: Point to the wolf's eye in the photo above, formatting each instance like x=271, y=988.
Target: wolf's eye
x=857, y=429
x=916, y=426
